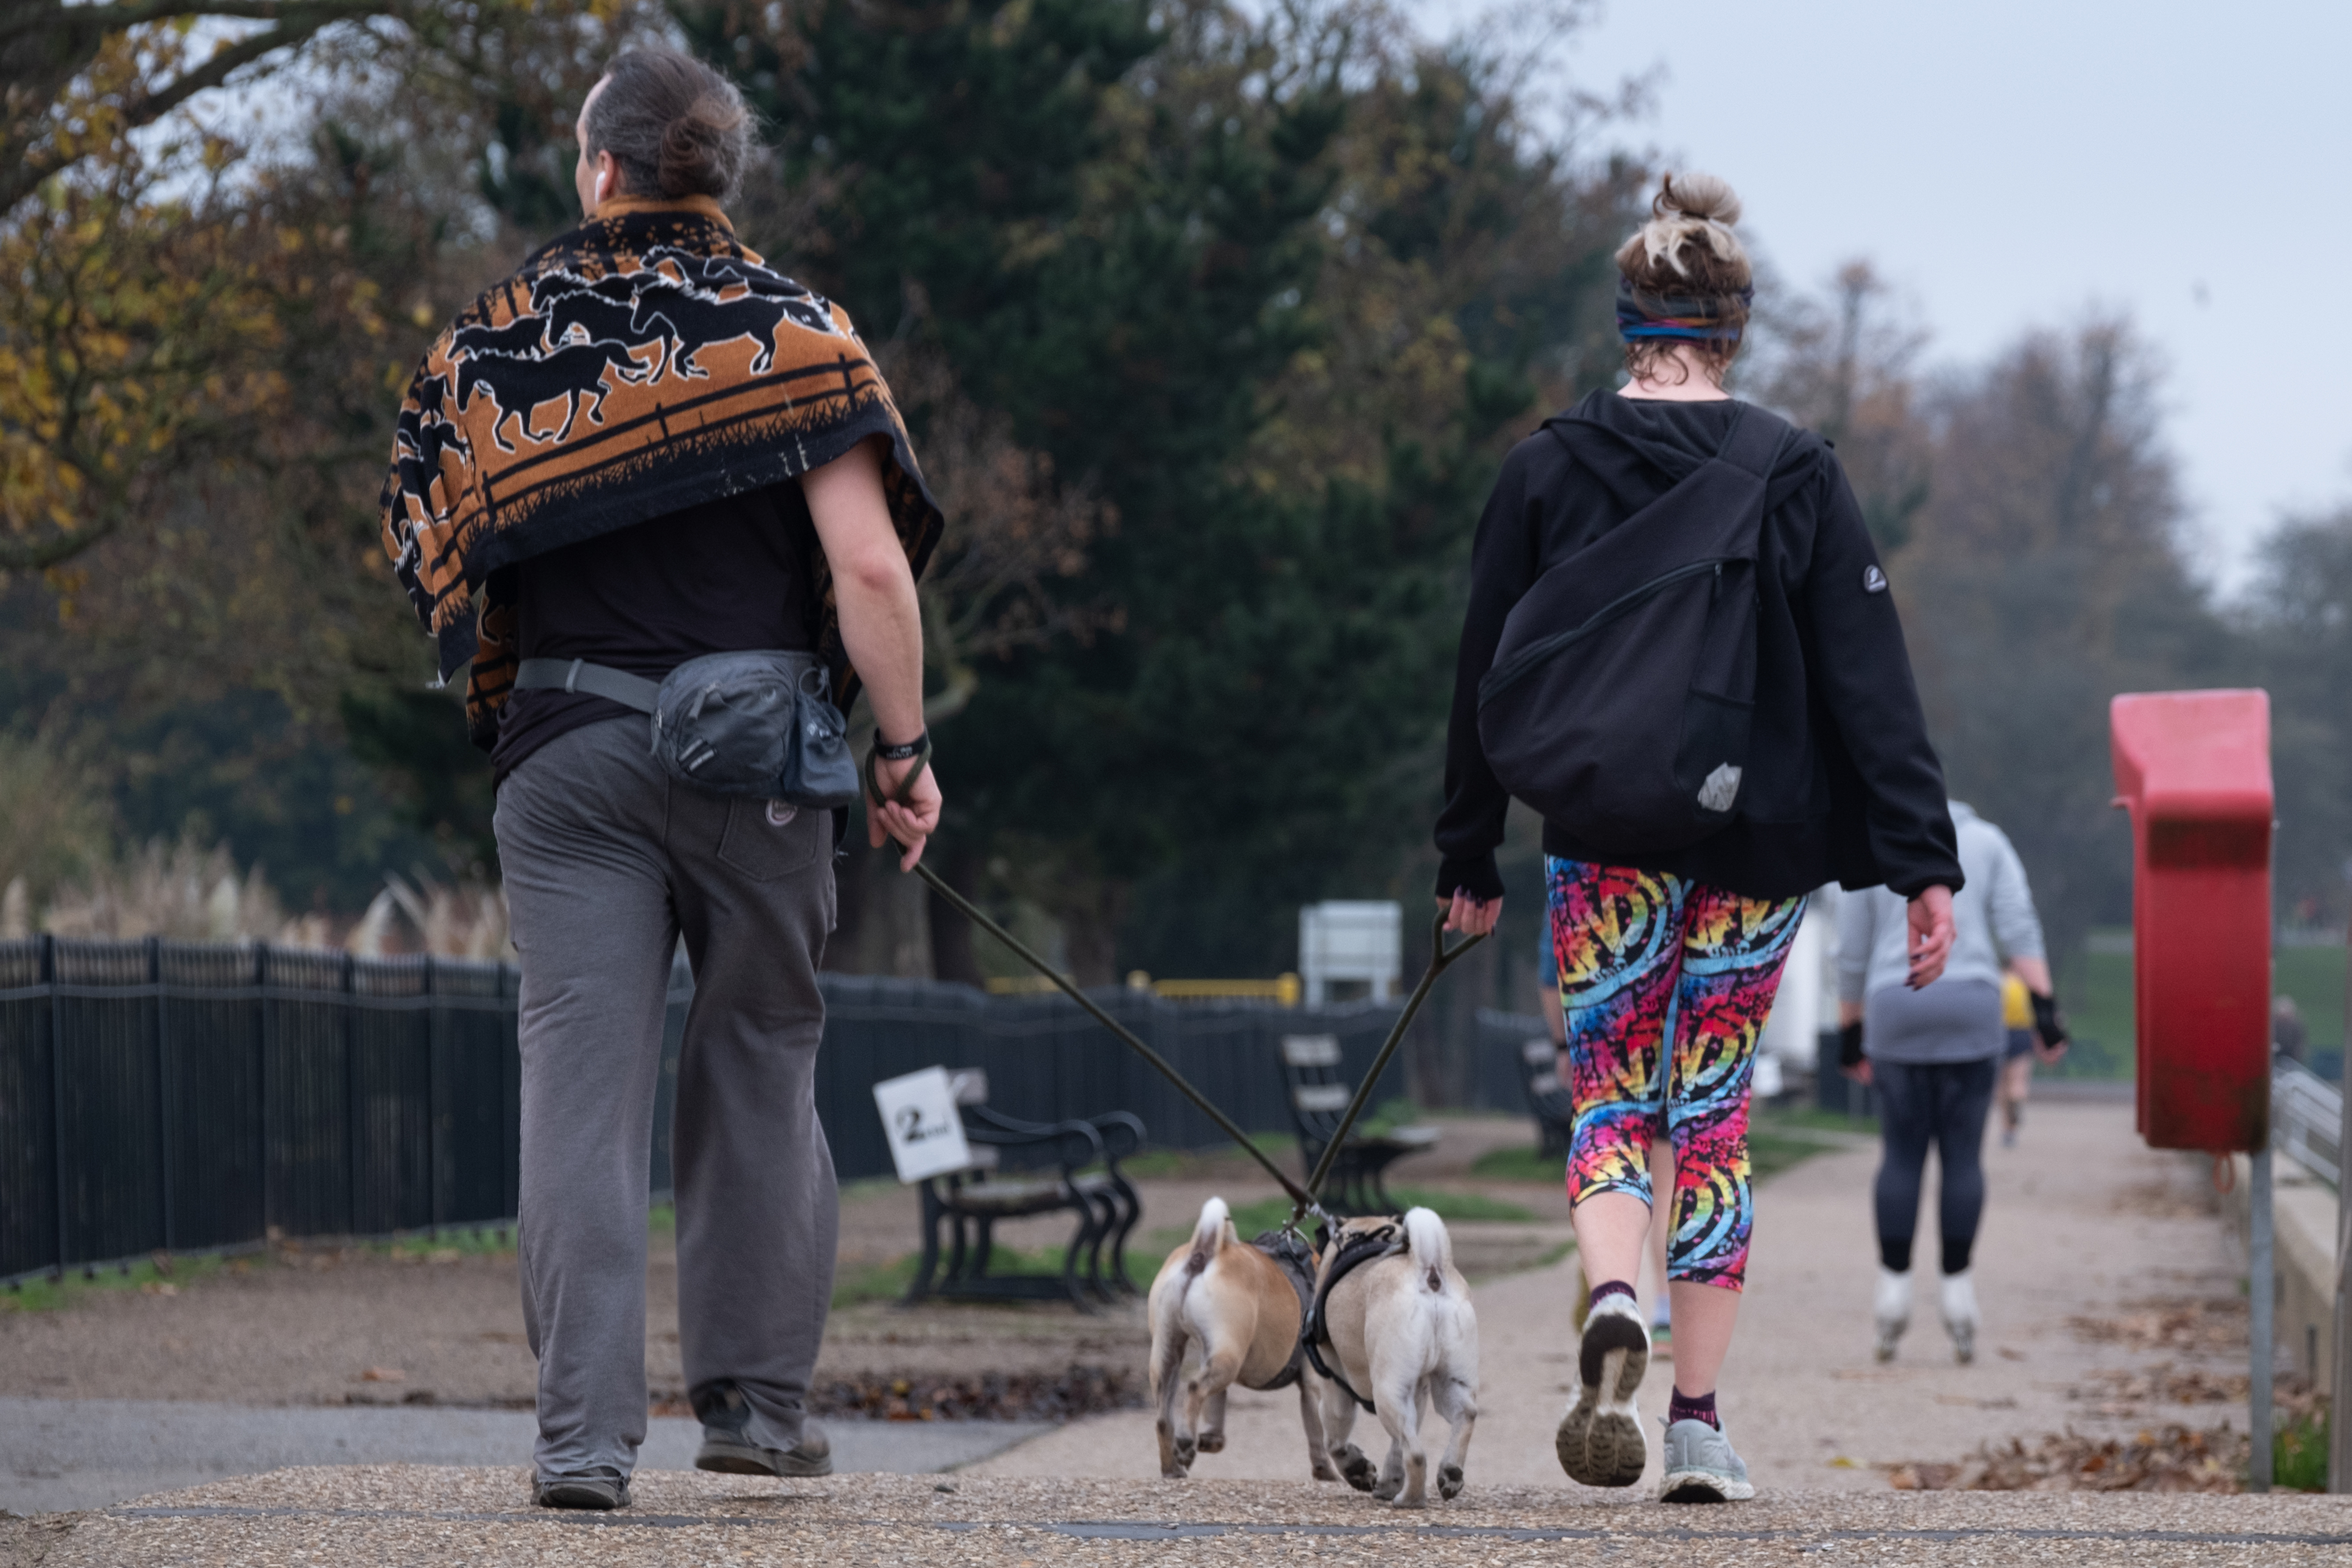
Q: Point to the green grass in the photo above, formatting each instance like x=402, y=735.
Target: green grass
x=1466, y=1206
x=2097, y=989
x=1528, y=1163
x=43, y=1295
x=2299, y=1453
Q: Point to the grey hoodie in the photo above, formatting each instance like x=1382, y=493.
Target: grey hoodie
x=1992, y=917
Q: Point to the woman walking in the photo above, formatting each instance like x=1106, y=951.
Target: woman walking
x=1934, y=1053
x=1680, y=649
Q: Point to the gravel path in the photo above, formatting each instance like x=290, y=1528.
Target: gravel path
x=474, y=1517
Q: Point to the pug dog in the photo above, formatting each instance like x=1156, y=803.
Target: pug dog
x=1402, y=1336
x=1241, y=1303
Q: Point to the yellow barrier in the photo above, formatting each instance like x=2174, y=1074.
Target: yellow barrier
x=1283, y=989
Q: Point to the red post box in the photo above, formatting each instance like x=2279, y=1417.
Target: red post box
x=2194, y=769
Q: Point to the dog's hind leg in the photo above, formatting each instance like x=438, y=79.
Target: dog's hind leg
x=1220, y=1364
x=1310, y=1417
x=1167, y=1381
x=1404, y=1478
x=1458, y=1402
x=1339, y=1420
x=1212, y=1423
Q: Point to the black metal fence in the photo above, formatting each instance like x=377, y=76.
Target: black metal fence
x=158, y=1095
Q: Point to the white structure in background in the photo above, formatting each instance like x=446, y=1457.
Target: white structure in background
x=1807, y=1001
x=1350, y=939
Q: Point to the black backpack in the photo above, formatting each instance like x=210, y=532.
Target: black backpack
x=1621, y=695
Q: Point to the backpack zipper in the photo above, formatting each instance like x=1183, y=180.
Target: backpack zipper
x=1503, y=677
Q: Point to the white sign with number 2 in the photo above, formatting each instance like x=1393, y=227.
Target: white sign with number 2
x=920, y=1118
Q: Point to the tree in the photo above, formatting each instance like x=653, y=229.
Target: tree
x=2299, y=619
x=2046, y=575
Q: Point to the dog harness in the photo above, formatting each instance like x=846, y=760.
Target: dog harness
x=1296, y=1260
x=1313, y=1331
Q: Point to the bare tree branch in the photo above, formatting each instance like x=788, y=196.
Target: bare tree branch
x=46, y=48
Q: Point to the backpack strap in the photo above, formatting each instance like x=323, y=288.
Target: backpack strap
x=1755, y=440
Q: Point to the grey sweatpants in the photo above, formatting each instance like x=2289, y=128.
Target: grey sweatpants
x=606, y=863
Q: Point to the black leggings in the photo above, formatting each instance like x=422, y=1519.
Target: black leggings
x=1943, y=1103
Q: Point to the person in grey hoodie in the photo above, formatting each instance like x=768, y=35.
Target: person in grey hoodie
x=1934, y=1053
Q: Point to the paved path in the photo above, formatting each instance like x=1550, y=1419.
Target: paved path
x=2082, y=1221
x=58, y=1454
x=475, y=1517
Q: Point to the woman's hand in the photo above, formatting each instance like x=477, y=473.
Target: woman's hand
x=1468, y=916
x=1931, y=935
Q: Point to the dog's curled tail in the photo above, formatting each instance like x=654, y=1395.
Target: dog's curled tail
x=1208, y=1236
x=1431, y=1248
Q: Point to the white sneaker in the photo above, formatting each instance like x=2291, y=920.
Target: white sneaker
x=1960, y=1314
x=1600, y=1439
x=1893, y=1308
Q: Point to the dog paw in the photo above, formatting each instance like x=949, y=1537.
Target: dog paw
x=1172, y=1472
x=1449, y=1482
x=1386, y=1490
x=1186, y=1450
x=1211, y=1443
x=1324, y=1472
x=1356, y=1470
x=1411, y=1499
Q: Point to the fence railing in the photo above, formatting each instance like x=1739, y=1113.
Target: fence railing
x=167, y=1095
x=2306, y=1118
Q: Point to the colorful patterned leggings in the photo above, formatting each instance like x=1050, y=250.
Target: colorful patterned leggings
x=1646, y=958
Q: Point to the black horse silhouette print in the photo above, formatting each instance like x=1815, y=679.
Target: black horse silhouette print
x=717, y=299
x=519, y=336
x=573, y=372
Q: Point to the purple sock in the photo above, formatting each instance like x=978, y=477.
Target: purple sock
x=1684, y=1407
x=1608, y=1288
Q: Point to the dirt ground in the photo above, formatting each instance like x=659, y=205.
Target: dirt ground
x=320, y=1325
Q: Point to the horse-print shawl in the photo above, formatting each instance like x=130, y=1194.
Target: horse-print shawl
x=642, y=363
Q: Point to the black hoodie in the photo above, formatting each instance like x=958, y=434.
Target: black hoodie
x=1841, y=784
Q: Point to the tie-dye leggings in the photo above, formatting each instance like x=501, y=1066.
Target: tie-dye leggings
x=1646, y=958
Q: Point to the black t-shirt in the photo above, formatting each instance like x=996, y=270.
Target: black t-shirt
x=720, y=577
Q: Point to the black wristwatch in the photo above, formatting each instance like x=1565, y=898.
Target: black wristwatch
x=891, y=753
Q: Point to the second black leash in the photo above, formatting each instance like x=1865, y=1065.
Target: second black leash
x=1303, y=1199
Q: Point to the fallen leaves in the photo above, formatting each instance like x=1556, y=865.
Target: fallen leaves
x=2171, y=1459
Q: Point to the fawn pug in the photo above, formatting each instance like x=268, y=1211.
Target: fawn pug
x=1396, y=1315
x=1243, y=1306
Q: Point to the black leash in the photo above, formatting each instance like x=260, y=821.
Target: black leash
x=1441, y=959
x=1303, y=1199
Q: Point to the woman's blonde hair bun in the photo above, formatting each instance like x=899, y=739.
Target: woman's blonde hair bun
x=1697, y=196
x=1690, y=209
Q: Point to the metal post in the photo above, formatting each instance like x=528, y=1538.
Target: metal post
x=164, y=1088
x=433, y=1032
x=56, y=1089
x=261, y=1121
x=2339, y=1403
x=2261, y=1286
x=351, y=1096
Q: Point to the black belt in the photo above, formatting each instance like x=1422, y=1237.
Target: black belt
x=595, y=679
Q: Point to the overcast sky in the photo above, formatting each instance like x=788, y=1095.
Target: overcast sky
x=2010, y=164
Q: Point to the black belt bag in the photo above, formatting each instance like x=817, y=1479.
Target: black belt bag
x=759, y=723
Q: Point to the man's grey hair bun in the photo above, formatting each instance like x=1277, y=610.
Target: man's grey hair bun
x=1689, y=208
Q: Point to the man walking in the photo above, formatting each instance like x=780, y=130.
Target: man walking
x=643, y=448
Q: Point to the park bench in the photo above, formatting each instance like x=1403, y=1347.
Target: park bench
x=1023, y=1168
x=1549, y=1099
x=1319, y=1097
